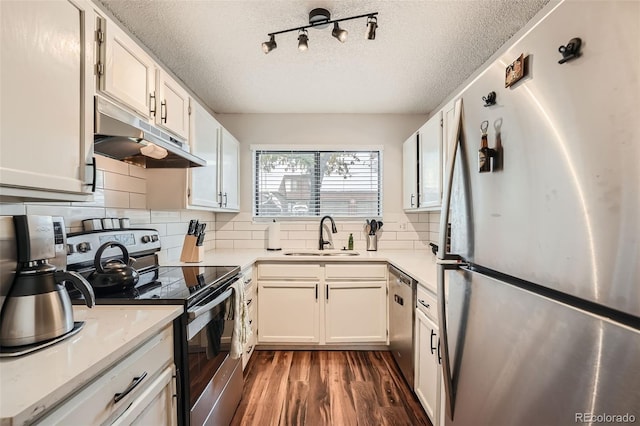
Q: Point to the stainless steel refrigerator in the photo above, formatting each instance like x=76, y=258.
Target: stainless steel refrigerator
x=541, y=324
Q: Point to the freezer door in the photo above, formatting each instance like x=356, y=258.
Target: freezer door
x=521, y=359
x=562, y=209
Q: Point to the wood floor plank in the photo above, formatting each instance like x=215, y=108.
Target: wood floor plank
x=326, y=388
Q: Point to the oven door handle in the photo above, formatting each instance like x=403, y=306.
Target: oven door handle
x=199, y=310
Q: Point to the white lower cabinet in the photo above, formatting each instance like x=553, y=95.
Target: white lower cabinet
x=138, y=389
x=355, y=312
x=341, y=303
x=427, y=362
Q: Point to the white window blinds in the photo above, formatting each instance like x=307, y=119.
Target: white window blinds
x=317, y=183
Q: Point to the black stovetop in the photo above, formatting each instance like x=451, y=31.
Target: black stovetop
x=184, y=285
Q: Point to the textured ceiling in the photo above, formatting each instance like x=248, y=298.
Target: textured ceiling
x=423, y=50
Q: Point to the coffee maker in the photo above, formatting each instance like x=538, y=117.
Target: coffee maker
x=37, y=310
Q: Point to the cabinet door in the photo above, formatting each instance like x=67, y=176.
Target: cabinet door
x=203, y=138
x=46, y=125
x=288, y=312
x=410, y=173
x=427, y=372
x=355, y=312
x=173, y=106
x=430, y=140
x=128, y=72
x=230, y=164
x=156, y=405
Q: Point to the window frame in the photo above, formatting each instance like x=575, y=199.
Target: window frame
x=317, y=151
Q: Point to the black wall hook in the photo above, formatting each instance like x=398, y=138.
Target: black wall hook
x=570, y=51
x=490, y=99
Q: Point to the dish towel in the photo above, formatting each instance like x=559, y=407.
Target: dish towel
x=241, y=326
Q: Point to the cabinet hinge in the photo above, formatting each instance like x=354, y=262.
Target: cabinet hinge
x=441, y=122
x=189, y=109
x=188, y=192
x=99, y=68
x=100, y=36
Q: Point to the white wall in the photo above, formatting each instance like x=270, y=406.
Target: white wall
x=389, y=131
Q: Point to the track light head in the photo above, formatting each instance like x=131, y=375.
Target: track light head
x=268, y=46
x=339, y=33
x=303, y=40
x=372, y=25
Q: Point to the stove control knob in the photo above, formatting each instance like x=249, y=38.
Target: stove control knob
x=84, y=247
x=154, y=238
x=146, y=239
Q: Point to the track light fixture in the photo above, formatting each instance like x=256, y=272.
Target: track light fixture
x=372, y=24
x=303, y=40
x=321, y=18
x=268, y=46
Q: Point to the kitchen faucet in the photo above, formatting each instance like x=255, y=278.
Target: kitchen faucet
x=322, y=242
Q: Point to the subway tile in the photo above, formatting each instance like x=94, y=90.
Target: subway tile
x=224, y=244
x=136, y=216
x=387, y=236
x=111, y=165
x=302, y=235
x=116, y=199
x=419, y=226
x=293, y=226
x=119, y=182
x=293, y=244
x=200, y=215
x=137, y=171
x=233, y=235
x=395, y=245
x=174, y=253
x=161, y=216
x=72, y=215
x=262, y=235
x=98, y=200
x=250, y=226
x=137, y=201
x=177, y=228
x=12, y=209
x=170, y=241
x=249, y=244
x=100, y=179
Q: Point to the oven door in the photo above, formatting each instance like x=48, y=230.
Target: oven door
x=215, y=381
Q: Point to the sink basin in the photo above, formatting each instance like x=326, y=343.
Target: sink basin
x=322, y=253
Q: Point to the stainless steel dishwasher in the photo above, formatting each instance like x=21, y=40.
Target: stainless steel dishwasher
x=402, y=300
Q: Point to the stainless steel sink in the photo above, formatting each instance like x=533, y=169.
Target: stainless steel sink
x=322, y=253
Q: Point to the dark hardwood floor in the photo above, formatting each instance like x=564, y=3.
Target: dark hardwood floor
x=334, y=388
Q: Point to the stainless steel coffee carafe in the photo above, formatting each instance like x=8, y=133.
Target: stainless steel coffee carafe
x=38, y=307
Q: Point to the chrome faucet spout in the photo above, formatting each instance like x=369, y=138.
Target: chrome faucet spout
x=322, y=242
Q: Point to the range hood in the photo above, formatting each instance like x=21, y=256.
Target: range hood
x=123, y=136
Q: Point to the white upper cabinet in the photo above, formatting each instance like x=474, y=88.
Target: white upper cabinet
x=125, y=71
x=430, y=151
x=46, y=125
x=230, y=171
x=410, y=173
x=203, y=181
x=172, y=105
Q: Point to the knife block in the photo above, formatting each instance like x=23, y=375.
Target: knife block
x=191, y=253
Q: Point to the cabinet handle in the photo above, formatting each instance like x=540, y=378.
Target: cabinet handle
x=225, y=199
x=247, y=281
x=426, y=305
x=316, y=291
x=136, y=381
x=93, y=180
x=433, y=348
x=248, y=302
x=412, y=197
x=220, y=199
x=439, y=357
x=163, y=116
x=327, y=291
x=249, y=350
x=152, y=104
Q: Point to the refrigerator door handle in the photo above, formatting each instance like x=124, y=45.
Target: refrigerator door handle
x=447, y=261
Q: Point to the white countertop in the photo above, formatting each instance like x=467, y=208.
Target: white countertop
x=31, y=384
x=419, y=264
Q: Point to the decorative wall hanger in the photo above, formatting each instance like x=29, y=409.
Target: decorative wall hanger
x=570, y=51
x=490, y=99
x=514, y=71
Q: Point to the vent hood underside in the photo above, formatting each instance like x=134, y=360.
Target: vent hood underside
x=121, y=135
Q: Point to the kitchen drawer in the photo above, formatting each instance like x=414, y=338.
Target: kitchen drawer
x=355, y=271
x=289, y=271
x=95, y=403
x=427, y=303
